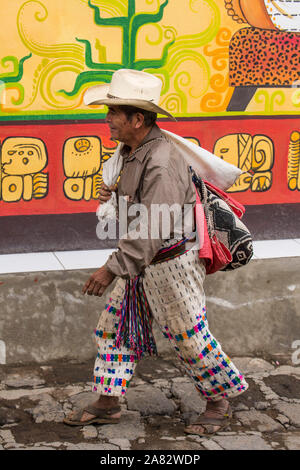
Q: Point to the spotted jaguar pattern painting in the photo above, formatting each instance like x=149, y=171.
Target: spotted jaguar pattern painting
x=264, y=58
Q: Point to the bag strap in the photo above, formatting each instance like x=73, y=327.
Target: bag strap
x=205, y=187
x=235, y=206
x=202, y=194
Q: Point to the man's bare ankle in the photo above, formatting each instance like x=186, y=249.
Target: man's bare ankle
x=105, y=401
x=217, y=405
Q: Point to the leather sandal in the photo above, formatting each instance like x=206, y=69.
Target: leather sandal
x=209, y=424
x=101, y=416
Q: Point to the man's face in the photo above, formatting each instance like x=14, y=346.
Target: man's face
x=121, y=128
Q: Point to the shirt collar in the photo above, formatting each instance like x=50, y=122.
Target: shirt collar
x=142, y=149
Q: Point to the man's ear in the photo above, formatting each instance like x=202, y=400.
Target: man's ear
x=139, y=120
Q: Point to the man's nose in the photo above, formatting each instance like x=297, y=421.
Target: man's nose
x=108, y=117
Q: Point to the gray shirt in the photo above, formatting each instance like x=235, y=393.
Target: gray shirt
x=154, y=174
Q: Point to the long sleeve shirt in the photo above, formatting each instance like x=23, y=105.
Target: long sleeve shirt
x=155, y=174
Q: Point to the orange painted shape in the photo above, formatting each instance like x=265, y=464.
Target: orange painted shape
x=256, y=14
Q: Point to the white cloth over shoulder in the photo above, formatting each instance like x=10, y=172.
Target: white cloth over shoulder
x=110, y=174
x=210, y=167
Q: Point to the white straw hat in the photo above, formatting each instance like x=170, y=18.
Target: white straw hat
x=131, y=88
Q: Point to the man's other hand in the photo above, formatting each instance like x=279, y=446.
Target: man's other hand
x=105, y=192
x=98, y=282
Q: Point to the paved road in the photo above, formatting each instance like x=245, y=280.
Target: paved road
x=35, y=398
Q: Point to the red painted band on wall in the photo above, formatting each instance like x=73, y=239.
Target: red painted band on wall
x=58, y=182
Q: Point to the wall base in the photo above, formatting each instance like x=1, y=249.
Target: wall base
x=45, y=317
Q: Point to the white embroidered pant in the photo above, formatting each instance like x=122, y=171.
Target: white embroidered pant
x=175, y=293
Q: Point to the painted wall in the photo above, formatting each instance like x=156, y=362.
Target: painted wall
x=231, y=77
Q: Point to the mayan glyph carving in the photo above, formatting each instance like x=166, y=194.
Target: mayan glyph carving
x=253, y=155
x=293, y=171
x=23, y=160
x=82, y=162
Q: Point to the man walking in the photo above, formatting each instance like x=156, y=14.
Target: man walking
x=158, y=274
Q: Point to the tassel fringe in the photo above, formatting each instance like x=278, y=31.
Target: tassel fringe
x=135, y=326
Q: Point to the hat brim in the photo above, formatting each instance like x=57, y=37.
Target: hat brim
x=98, y=96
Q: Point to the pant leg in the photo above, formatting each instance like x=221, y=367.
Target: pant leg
x=114, y=367
x=176, y=296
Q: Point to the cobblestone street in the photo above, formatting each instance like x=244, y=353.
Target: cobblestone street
x=160, y=401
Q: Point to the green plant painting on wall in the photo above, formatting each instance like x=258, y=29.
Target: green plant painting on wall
x=147, y=35
x=52, y=51
x=13, y=78
x=130, y=25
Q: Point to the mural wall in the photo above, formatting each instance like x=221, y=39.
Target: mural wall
x=231, y=77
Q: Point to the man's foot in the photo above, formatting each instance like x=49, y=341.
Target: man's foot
x=106, y=410
x=87, y=416
x=216, y=416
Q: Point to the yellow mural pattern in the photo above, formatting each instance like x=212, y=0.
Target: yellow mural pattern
x=83, y=158
x=23, y=160
x=51, y=51
x=254, y=155
x=294, y=161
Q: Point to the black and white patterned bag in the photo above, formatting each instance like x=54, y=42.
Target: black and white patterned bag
x=230, y=240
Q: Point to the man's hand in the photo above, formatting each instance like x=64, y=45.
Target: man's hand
x=105, y=192
x=98, y=282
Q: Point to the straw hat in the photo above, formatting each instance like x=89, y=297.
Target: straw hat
x=131, y=88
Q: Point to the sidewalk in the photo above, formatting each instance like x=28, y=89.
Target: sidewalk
x=92, y=259
x=35, y=398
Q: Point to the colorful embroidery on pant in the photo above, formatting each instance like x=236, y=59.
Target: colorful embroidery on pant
x=213, y=373
x=112, y=381
x=117, y=357
x=115, y=311
x=104, y=334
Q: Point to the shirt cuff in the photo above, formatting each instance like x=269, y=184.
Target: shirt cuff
x=113, y=266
